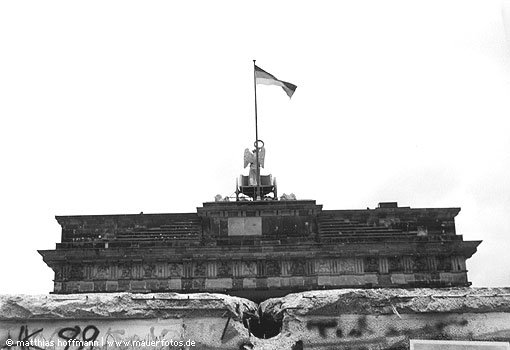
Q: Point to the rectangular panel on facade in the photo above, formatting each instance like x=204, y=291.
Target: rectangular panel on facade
x=456, y=345
x=245, y=226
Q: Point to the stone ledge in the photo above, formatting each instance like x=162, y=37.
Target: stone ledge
x=120, y=306
x=390, y=301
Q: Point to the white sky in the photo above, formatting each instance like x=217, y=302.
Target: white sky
x=117, y=107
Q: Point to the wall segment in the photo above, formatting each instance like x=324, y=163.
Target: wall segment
x=367, y=319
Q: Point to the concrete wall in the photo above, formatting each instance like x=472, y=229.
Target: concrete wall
x=117, y=334
x=336, y=319
x=394, y=331
x=388, y=318
x=123, y=322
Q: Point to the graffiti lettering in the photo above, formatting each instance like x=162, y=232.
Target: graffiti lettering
x=361, y=329
x=25, y=340
x=70, y=334
x=322, y=326
x=432, y=331
x=358, y=331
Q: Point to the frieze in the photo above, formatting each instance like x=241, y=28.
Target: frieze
x=224, y=268
x=126, y=271
x=323, y=266
x=249, y=268
x=394, y=264
x=297, y=268
x=76, y=272
x=444, y=263
x=199, y=269
x=420, y=263
x=175, y=270
x=149, y=270
x=371, y=264
x=273, y=268
x=347, y=266
x=102, y=271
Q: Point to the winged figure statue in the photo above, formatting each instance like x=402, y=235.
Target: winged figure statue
x=250, y=158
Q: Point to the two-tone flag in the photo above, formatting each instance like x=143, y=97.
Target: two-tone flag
x=263, y=77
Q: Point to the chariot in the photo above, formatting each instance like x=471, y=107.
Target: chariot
x=267, y=187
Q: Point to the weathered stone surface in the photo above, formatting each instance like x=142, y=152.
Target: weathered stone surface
x=390, y=301
x=373, y=319
x=119, y=306
x=366, y=319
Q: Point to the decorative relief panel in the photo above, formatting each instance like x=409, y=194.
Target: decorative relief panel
x=297, y=268
x=76, y=272
x=149, y=270
x=273, y=268
x=420, y=263
x=249, y=268
x=102, y=271
x=323, y=266
x=125, y=271
x=199, y=269
x=346, y=266
x=175, y=270
x=444, y=263
x=395, y=264
x=371, y=264
x=224, y=269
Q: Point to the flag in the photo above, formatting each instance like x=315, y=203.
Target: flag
x=263, y=77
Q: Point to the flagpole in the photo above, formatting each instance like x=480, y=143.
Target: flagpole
x=256, y=133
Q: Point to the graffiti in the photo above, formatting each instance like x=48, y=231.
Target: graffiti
x=322, y=326
x=70, y=334
x=70, y=337
x=362, y=328
x=225, y=329
x=430, y=331
x=153, y=334
x=25, y=340
x=362, y=331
